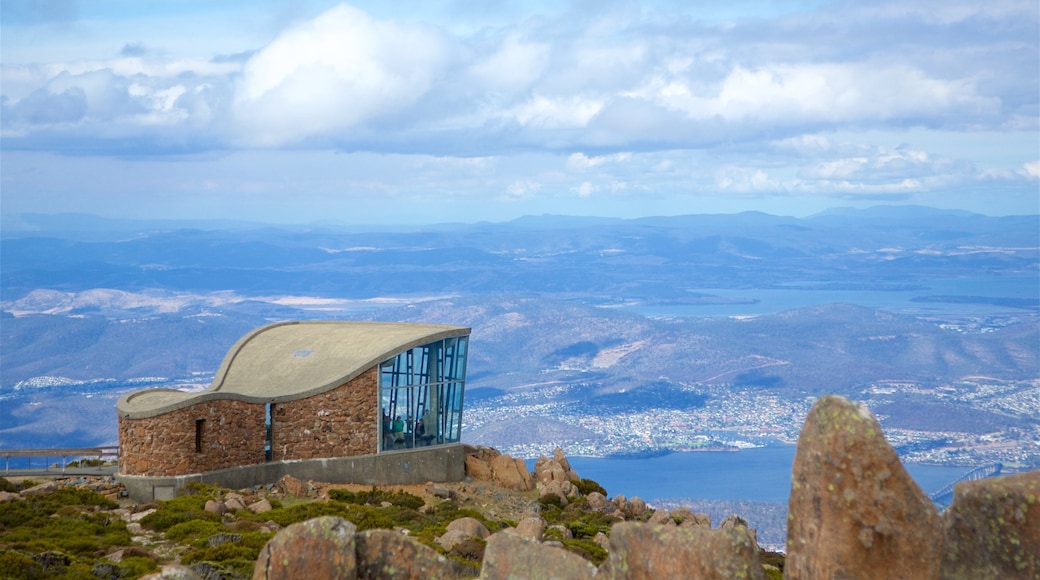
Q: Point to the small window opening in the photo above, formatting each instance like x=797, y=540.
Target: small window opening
x=268, y=432
x=198, y=435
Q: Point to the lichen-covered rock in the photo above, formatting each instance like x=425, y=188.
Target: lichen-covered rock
x=41, y=489
x=532, y=528
x=508, y=555
x=555, y=488
x=560, y=458
x=639, y=550
x=854, y=511
x=390, y=554
x=661, y=517
x=735, y=521
x=992, y=529
x=323, y=547
x=261, y=506
x=688, y=519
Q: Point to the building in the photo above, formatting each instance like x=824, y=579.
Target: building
x=349, y=402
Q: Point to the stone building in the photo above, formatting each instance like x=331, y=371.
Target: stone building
x=352, y=402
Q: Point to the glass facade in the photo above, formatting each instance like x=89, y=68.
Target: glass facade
x=421, y=393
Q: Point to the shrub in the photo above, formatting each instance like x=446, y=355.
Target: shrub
x=377, y=496
x=587, y=486
x=15, y=564
x=587, y=549
x=7, y=486
x=194, y=529
x=551, y=499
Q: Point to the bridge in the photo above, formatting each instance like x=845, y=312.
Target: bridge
x=944, y=497
x=95, y=464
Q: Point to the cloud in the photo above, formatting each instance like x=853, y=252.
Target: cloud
x=332, y=74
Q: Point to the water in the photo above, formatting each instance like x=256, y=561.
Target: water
x=772, y=300
x=760, y=474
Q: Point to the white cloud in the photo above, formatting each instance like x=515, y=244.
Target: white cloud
x=1032, y=169
x=582, y=162
x=334, y=73
x=514, y=67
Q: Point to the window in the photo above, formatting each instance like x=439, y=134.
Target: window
x=268, y=431
x=421, y=395
x=198, y=434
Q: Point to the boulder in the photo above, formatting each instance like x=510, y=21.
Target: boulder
x=390, y=554
x=854, y=511
x=735, y=521
x=323, y=547
x=636, y=508
x=639, y=550
x=992, y=528
x=661, y=517
x=511, y=473
x=41, y=489
x=233, y=504
x=6, y=496
x=509, y=555
x=291, y=486
x=172, y=572
x=472, y=527
x=451, y=538
x=689, y=519
x=260, y=506
x=477, y=468
x=215, y=506
x=532, y=528
x=560, y=458
x=547, y=488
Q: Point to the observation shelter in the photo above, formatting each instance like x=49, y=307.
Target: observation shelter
x=343, y=402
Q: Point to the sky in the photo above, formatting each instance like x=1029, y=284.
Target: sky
x=424, y=111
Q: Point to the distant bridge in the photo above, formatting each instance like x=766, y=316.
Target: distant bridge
x=944, y=497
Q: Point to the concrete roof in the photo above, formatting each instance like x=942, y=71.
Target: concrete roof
x=293, y=360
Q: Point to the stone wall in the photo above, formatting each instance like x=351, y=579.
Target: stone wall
x=232, y=433
x=342, y=422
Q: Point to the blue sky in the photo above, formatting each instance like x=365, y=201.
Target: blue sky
x=468, y=110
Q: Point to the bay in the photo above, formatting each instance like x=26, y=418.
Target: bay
x=760, y=474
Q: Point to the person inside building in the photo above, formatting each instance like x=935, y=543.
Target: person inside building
x=398, y=431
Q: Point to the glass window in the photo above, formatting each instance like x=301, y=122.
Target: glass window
x=421, y=395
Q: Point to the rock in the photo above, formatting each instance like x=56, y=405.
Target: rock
x=687, y=518
x=41, y=489
x=6, y=496
x=440, y=491
x=531, y=528
x=598, y=501
x=508, y=555
x=260, y=506
x=138, y=516
x=389, y=554
x=511, y=473
x=661, y=517
x=323, y=547
x=234, y=504
x=561, y=459
x=636, y=508
x=555, y=488
x=218, y=539
x=291, y=486
x=563, y=531
x=602, y=541
x=472, y=527
x=451, y=538
x=477, y=468
x=639, y=550
x=172, y=572
x=854, y=510
x=215, y=506
x=992, y=529
x=735, y=521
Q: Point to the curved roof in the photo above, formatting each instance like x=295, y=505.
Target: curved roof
x=293, y=360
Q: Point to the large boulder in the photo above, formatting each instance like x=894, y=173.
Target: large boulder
x=639, y=550
x=477, y=468
x=323, y=547
x=510, y=556
x=390, y=554
x=511, y=473
x=854, y=511
x=992, y=529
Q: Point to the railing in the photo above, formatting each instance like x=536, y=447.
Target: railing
x=64, y=454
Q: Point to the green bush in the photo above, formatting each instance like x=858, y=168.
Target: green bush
x=587, y=549
x=377, y=496
x=195, y=529
x=7, y=486
x=14, y=564
x=587, y=486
